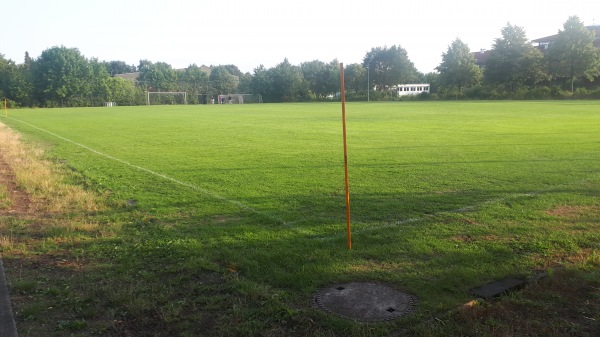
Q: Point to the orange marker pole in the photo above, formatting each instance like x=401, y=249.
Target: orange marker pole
x=343, y=95
x=5, y=111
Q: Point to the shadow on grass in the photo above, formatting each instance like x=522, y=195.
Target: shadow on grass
x=240, y=273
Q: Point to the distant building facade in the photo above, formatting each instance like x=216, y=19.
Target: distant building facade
x=481, y=57
x=412, y=89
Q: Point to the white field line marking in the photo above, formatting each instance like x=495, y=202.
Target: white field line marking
x=433, y=215
x=425, y=217
x=160, y=175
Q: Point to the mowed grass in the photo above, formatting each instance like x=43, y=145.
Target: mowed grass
x=445, y=196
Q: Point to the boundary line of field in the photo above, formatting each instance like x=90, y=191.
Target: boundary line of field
x=465, y=209
x=425, y=217
x=160, y=175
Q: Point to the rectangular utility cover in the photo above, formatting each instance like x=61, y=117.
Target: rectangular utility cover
x=498, y=287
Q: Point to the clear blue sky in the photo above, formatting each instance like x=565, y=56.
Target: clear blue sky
x=250, y=33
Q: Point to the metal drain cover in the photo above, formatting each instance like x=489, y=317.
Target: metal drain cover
x=365, y=302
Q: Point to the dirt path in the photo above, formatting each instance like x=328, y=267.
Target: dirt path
x=19, y=205
x=19, y=199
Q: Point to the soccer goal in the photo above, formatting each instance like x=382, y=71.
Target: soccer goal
x=166, y=97
x=239, y=99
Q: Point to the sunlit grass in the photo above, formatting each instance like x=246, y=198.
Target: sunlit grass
x=35, y=175
x=242, y=207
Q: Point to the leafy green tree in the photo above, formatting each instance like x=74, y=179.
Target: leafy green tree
x=355, y=76
x=287, y=84
x=28, y=61
x=312, y=71
x=245, y=86
x=118, y=67
x=513, y=62
x=322, y=78
x=233, y=70
x=124, y=92
x=8, y=68
x=61, y=76
x=433, y=78
x=389, y=67
x=194, y=81
x=261, y=82
x=157, y=76
x=572, y=55
x=458, y=69
x=223, y=81
x=99, y=88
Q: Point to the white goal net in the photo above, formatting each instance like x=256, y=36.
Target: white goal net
x=166, y=97
x=238, y=99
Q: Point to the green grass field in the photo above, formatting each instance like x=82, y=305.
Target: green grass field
x=445, y=196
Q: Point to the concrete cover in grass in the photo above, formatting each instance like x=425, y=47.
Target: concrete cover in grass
x=366, y=302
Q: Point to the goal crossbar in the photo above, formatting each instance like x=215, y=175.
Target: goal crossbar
x=167, y=92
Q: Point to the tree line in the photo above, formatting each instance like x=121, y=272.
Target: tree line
x=514, y=68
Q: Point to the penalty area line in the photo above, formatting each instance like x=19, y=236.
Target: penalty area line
x=160, y=175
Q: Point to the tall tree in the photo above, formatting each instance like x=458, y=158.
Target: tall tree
x=118, y=67
x=389, y=67
x=513, y=61
x=433, y=78
x=99, y=86
x=245, y=86
x=572, y=55
x=7, y=70
x=223, y=81
x=124, y=92
x=261, y=82
x=322, y=78
x=157, y=76
x=61, y=76
x=194, y=80
x=355, y=76
x=233, y=70
x=288, y=83
x=458, y=69
x=28, y=61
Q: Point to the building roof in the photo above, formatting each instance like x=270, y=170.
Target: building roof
x=552, y=38
x=481, y=56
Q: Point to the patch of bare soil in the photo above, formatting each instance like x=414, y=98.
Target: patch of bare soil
x=575, y=212
x=19, y=199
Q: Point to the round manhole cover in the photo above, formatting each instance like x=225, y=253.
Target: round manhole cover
x=366, y=302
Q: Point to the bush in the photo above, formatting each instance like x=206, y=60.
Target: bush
x=533, y=93
x=10, y=104
x=482, y=92
x=583, y=93
x=425, y=96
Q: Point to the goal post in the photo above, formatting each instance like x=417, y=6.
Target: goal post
x=167, y=97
